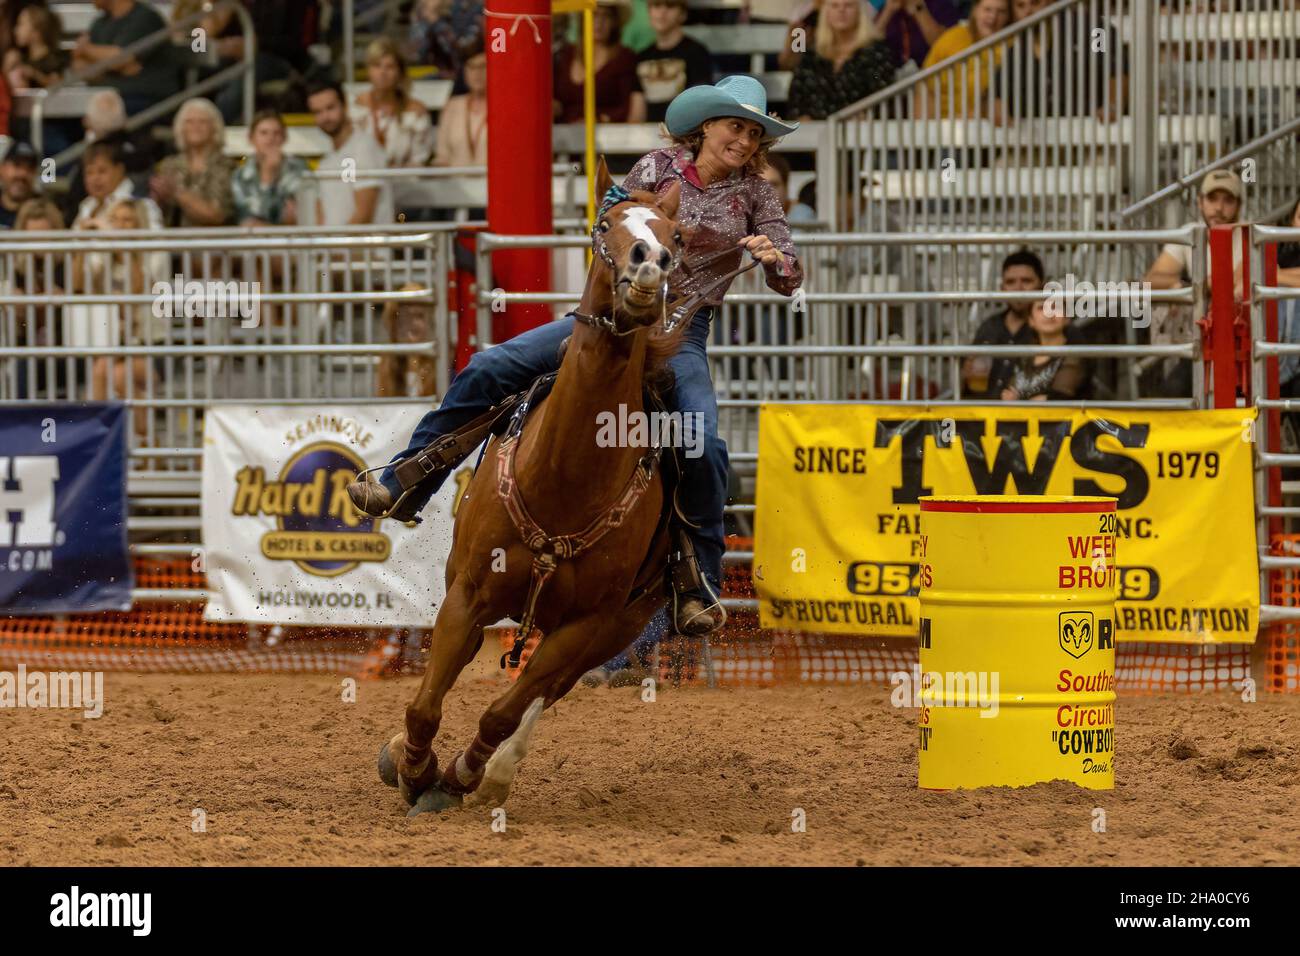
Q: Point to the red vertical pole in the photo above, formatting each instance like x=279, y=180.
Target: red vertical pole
x=1223, y=313
x=518, y=41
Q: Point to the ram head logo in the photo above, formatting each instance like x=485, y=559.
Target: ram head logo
x=1077, y=632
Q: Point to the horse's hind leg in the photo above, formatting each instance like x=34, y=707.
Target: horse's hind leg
x=408, y=759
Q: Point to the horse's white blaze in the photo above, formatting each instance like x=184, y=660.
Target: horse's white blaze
x=504, y=762
x=638, y=222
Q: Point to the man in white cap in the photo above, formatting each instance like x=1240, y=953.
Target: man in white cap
x=1221, y=200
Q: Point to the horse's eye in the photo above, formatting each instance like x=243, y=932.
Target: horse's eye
x=604, y=225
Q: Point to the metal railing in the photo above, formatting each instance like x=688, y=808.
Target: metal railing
x=953, y=147
x=319, y=342
x=1139, y=97
x=1267, y=296
x=459, y=188
x=896, y=335
x=319, y=293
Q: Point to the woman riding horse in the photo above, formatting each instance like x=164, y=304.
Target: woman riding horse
x=720, y=137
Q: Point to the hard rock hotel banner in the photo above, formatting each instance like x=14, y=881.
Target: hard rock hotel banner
x=282, y=541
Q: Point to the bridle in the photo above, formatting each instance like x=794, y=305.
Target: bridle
x=600, y=250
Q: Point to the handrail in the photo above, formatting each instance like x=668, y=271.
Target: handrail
x=1183, y=235
x=974, y=49
x=154, y=39
x=426, y=172
x=1182, y=182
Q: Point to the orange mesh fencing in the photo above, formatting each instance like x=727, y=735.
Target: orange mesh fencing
x=745, y=655
x=1282, y=645
x=174, y=637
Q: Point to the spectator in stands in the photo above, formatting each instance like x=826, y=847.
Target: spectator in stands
x=439, y=30
x=408, y=323
x=1069, y=78
x=90, y=326
x=284, y=30
x=9, y=11
x=943, y=95
x=104, y=121
x=6, y=105
x=104, y=164
x=619, y=98
x=639, y=31
x=143, y=80
x=849, y=60
x=673, y=61
x=985, y=377
x=35, y=61
x=105, y=113
x=1049, y=377
x=777, y=172
x=37, y=325
x=265, y=187
x=125, y=273
x=17, y=181
x=193, y=187
x=386, y=111
x=912, y=26
x=1220, y=203
x=347, y=198
x=803, y=22
x=462, y=124
x=1288, y=328
x=39, y=215
x=1288, y=255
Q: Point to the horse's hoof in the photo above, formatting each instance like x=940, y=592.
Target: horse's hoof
x=434, y=800
x=387, y=767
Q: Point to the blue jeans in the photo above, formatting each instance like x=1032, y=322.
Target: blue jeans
x=511, y=366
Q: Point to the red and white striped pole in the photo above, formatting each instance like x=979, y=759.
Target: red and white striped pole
x=518, y=42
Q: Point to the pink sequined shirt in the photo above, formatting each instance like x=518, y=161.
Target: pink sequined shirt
x=721, y=214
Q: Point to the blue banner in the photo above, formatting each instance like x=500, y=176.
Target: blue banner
x=63, y=544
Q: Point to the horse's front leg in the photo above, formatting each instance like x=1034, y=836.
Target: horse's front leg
x=408, y=761
x=487, y=768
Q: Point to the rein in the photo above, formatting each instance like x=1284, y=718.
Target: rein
x=600, y=250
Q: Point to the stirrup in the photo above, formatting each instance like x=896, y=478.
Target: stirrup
x=686, y=581
x=684, y=629
x=397, y=504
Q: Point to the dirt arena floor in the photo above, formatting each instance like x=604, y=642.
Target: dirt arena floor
x=285, y=772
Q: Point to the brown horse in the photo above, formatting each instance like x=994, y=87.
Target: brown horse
x=586, y=611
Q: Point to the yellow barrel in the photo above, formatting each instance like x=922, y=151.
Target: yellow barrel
x=1017, y=665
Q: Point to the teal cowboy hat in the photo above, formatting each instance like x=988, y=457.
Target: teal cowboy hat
x=741, y=96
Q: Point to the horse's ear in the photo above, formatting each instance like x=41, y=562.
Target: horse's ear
x=603, y=179
x=670, y=200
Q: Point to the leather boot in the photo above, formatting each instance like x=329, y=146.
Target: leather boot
x=373, y=499
x=694, y=614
